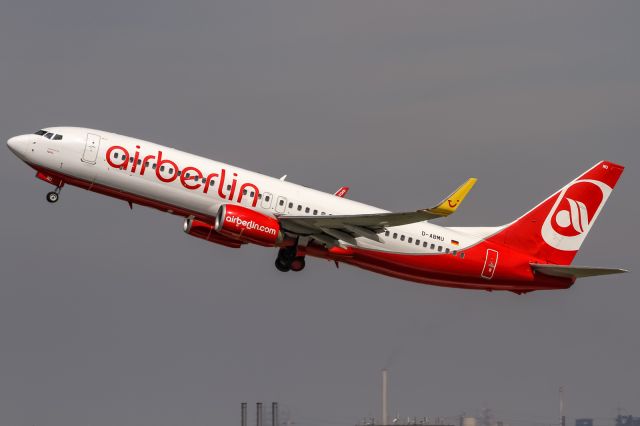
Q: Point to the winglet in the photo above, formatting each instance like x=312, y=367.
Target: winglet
x=451, y=203
x=342, y=191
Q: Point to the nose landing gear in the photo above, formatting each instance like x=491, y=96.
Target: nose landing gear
x=288, y=260
x=53, y=196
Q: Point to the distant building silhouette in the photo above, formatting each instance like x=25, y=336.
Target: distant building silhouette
x=627, y=421
x=584, y=422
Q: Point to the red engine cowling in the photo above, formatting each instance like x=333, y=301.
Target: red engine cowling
x=199, y=229
x=248, y=225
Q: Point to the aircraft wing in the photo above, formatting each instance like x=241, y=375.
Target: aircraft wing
x=348, y=227
x=568, y=271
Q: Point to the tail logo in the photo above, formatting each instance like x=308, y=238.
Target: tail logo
x=573, y=213
x=577, y=215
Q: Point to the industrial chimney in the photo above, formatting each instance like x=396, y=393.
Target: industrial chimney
x=243, y=414
x=274, y=414
x=385, y=411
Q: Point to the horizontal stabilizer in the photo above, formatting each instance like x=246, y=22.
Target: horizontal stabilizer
x=567, y=271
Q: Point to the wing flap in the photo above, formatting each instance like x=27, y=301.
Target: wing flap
x=568, y=271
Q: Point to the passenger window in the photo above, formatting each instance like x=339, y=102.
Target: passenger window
x=266, y=198
x=282, y=202
x=439, y=248
x=228, y=187
x=140, y=163
x=425, y=244
x=195, y=178
x=171, y=170
x=410, y=240
x=461, y=255
x=131, y=160
x=146, y=164
x=315, y=212
x=252, y=194
x=395, y=235
x=307, y=210
x=323, y=213
x=290, y=205
x=259, y=196
x=186, y=175
x=447, y=250
x=454, y=252
x=299, y=207
x=433, y=246
x=244, y=192
x=417, y=242
x=153, y=166
x=386, y=233
x=401, y=237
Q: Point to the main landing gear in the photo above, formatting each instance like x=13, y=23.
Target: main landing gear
x=53, y=196
x=288, y=260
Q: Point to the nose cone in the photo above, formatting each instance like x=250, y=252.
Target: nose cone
x=18, y=145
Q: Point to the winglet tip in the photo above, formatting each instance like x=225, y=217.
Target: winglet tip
x=450, y=204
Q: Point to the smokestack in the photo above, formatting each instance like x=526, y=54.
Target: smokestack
x=385, y=411
x=259, y=414
x=274, y=414
x=243, y=414
x=562, y=417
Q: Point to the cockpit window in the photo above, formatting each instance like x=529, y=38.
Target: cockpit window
x=40, y=132
x=57, y=137
x=48, y=135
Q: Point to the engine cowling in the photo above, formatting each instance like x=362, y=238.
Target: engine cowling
x=248, y=225
x=199, y=229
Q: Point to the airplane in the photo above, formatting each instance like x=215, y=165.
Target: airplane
x=230, y=206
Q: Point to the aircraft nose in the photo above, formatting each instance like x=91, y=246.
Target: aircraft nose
x=13, y=144
x=18, y=145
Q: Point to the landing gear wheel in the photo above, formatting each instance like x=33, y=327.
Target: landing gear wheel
x=298, y=264
x=52, y=197
x=281, y=266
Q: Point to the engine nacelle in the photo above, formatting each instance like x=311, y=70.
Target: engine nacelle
x=199, y=229
x=248, y=225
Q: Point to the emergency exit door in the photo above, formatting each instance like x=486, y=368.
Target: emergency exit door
x=91, y=147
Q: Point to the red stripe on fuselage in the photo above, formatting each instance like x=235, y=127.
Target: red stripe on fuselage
x=512, y=273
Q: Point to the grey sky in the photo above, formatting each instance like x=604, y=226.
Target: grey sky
x=112, y=317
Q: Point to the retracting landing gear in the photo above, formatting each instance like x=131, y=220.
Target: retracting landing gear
x=53, y=196
x=288, y=260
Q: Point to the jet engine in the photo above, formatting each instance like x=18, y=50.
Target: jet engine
x=244, y=224
x=199, y=229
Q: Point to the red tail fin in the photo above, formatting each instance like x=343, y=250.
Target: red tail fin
x=554, y=230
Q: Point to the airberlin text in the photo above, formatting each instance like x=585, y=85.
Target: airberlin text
x=189, y=176
x=250, y=225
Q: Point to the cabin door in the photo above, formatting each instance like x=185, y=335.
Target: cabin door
x=490, y=263
x=91, y=147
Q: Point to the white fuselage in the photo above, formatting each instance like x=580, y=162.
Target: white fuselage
x=83, y=154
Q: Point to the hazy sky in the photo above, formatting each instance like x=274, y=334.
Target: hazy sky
x=116, y=318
